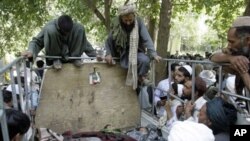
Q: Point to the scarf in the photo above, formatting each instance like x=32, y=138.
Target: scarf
x=132, y=79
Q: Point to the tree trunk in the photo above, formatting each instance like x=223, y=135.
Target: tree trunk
x=152, y=23
x=152, y=28
x=106, y=18
x=247, y=10
x=163, y=37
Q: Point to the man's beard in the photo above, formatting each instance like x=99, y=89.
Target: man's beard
x=128, y=28
x=244, y=51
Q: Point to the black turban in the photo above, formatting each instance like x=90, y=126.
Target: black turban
x=221, y=114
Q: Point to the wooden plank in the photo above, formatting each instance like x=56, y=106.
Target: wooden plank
x=69, y=102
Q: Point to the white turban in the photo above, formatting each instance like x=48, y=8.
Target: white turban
x=126, y=9
x=241, y=21
x=208, y=76
x=174, y=104
x=190, y=131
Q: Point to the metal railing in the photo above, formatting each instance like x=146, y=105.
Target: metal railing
x=16, y=67
x=219, y=86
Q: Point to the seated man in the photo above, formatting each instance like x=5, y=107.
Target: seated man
x=18, y=124
x=61, y=37
x=129, y=40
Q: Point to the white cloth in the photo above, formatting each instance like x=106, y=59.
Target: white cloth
x=230, y=84
x=208, y=76
x=163, y=85
x=126, y=9
x=190, y=131
x=174, y=104
x=17, y=91
x=188, y=68
x=179, y=89
x=198, y=104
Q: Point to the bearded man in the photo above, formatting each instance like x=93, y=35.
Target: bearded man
x=130, y=41
x=237, y=51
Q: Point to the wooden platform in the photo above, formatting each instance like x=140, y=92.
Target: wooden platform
x=69, y=102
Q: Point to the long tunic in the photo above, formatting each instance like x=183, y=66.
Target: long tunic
x=55, y=44
x=145, y=46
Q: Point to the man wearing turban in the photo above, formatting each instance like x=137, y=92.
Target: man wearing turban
x=61, y=37
x=129, y=40
x=218, y=115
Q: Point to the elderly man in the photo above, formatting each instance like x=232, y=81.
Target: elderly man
x=61, y=37
x=129, y=40
x=238, y=50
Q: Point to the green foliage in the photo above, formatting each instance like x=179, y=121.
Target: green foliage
x=17, y=17
x=149, y=9
x=22, y=19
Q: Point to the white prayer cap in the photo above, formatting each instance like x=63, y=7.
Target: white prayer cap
x=188, y=68
x=9, y=88
x=126, y=9
x=208, y=76
x=241, y=21
x=190, y=131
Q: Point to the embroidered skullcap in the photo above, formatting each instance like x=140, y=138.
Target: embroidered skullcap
x=188, y=68
x=126, y=9
x=190, y=131
x=241, y=21
x=208, y=76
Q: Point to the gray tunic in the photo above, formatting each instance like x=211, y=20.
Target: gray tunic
x=145, y=46
x=55, y=44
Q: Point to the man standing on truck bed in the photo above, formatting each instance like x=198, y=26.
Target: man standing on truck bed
x=129, y=40
x=61, y=37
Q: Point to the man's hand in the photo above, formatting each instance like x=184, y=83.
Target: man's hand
x=239, y=63
x=27, y=54
x=99, y=58
x=161, y=103
x=157, y=58
x=109, y=59
x=189, y=107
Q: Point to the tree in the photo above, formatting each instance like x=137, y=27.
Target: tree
x=163, y=36
x=17, y=17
